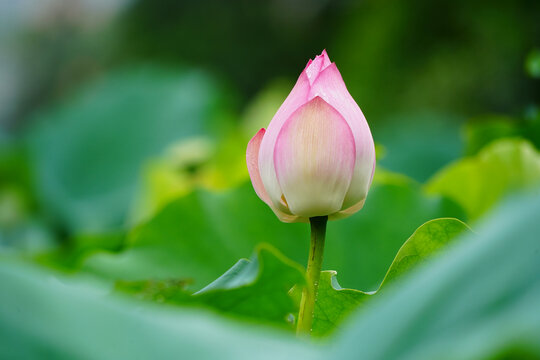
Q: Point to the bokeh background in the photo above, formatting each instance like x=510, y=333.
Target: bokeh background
x=123, y=129
x=120, y=117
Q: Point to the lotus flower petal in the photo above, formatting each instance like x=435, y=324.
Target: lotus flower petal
x=347, y=212
x=314, y=159
x=314, y=68
x=317, y=156
x=329, y=85
x=296, y=98
x=252, y=159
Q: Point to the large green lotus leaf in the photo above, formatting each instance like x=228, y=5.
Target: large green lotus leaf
x=479, y=182
x=334, y=303
x=47, y=315
x=201, y=235
x=427, y=143
x=88, y=151
x=257, y=289
x=198, y=237
x=362, y=247
x=477, y=300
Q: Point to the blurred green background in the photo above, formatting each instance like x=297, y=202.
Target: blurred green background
x=124, y=125
x=93, y=93
x=111, y=110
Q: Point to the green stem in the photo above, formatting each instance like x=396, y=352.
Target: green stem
x=309, y=294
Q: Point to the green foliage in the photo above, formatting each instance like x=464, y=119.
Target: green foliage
x=193, y=163
x=479, y=300
x=419, y=144
x=257, y=289
x=199, y=236
x=70, y=256
x=334, y=302
x=482, y=131
x=361, y=248
x=196, y=238
x=478, y=182
x=455, y=299
x=21, y=231
x=427, y=240
x=124, y=189
x=97, y=141
x=48, y=315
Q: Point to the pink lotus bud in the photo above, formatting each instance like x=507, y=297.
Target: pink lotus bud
x=317, y=156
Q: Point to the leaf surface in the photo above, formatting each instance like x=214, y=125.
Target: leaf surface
x=477, y=183
x=257, y=289
x=199, y=236
x=334, y=303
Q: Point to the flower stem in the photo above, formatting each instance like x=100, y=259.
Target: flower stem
x=309, y=294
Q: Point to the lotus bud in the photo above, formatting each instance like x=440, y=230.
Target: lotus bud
x=317, y=156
